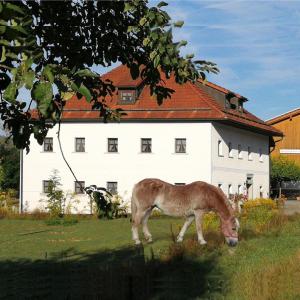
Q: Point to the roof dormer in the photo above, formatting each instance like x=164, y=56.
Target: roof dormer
x=127, y=95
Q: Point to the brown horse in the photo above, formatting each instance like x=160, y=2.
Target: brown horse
x=190, y=201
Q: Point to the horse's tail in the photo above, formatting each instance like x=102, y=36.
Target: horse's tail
x=133, y=206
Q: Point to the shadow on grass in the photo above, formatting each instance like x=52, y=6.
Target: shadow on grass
x=119, y=274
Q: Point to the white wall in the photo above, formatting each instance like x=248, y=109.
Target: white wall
x=226, y=170
x=97, y=166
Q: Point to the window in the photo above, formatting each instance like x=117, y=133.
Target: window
x=179, y=183
x=46, y=185
x=80, y=144
x=127, y=96
x=230, y=190
x=249, y=153
x=261, y=192
x=230, y=150
x=260, y=155
x=146, y=145
x=240, y=189
x=180, y=145
x=240, y=106
x=240, y=155
x=220, y=148
x=112, y=145
x=48, y=144
x=112, y=187
x=79, y=186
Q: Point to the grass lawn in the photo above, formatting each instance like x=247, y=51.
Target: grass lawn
x=95, y=259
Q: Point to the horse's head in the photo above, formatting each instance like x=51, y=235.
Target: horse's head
x=230, y=229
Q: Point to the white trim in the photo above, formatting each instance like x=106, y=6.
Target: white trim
x=289, y=151
x=282, y=114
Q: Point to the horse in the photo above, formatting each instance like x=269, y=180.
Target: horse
x=191, y=201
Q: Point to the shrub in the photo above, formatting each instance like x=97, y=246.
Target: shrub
x=269, y=204
x=55, y=196
x=261, y=215
x=110, y=207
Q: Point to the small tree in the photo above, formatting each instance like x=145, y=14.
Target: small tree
x=56, y=197
x=283, y=169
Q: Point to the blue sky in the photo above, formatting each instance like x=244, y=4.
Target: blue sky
x=256, y=45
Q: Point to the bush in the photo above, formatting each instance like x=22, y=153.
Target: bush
x=269, y=204
x=110, y=207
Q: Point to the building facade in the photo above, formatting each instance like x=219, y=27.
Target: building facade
x=289, y=144
x=201, y=133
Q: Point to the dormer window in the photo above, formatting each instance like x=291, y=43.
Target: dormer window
x=127, y=96
x=240, y=106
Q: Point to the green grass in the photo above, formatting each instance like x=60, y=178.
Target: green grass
x=96, y=259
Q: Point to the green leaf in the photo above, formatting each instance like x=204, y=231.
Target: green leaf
x=43, y=94
x=161, y=4
x=83, y=90
x=3, y=56
x=2, y=29
x=86, y=73
x=28, y=78
x=179, y=23
x=156, y=61
x=15, y=8
x=143, y=21
x=47, y=73
x=10, y=93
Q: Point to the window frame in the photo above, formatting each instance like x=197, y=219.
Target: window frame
x=79, y=144
x=143, y=140
x=250, y=158
x=127, y=96
x=113, y=144
x=46, y=183
x=115, y=187
x=46, y=143
x=220, y=148
x=182, y=144
x=240, y=151
x=261, y=159
x=77, y=188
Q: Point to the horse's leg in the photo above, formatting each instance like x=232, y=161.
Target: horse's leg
x=146, y=231
x=184, y=228
x=136, y=221
x=198, y=217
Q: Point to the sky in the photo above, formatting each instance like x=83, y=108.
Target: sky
x=256, y=45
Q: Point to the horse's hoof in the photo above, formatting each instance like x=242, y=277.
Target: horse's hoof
x=179, y=240
x=138, y=242
x=202, y=242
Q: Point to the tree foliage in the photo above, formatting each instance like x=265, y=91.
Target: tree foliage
x=49, y=48
x=284, y=169
x=9, y=166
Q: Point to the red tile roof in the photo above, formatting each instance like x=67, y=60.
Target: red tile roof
x=188, y=103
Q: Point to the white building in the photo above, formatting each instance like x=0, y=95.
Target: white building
x=201, y=133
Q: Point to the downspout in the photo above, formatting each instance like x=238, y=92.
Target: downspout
x=21, y=183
